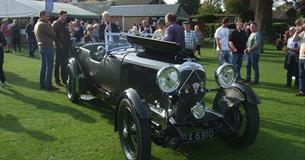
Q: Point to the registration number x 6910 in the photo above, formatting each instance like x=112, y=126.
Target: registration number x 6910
x=200, y=135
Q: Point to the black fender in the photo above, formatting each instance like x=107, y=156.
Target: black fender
x=230, y=97
x=79, y=78
x=248, y=92
x=73, y=66
x=72, y=63
x=140, y=106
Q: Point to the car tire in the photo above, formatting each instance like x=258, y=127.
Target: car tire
x=134, y=133
x=72, y=94
x=245, y=119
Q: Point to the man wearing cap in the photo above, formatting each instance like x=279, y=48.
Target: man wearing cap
x=190, y=39
x=62, y=47
x=173, y=32
x=107, y=26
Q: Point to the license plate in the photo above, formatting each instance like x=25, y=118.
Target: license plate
x=200, y=135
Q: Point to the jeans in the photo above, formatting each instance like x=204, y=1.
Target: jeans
x=237, y=60
x=32, y=46
x=302, y=75
x=224, y=57
x=16, y=42
x=47, y=60
x=61, y=62
x=292, y=66
x=252, y=61
x=2, y=76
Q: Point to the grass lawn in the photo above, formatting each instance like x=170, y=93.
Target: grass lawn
x=40, y=125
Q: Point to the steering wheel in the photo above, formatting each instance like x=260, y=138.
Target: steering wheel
x=100, y=53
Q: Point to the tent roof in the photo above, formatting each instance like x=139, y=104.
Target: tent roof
x=95, y=7
x=147, y=10
x=71, y=9
x=18, y=8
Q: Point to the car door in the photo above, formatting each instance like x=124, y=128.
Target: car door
x=108, y=73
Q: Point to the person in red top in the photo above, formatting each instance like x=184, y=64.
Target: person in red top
x=7, y=32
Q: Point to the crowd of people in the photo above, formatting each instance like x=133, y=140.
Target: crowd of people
x=295, y=56
x=232, y=47
x=244, y=42
x=11, y=32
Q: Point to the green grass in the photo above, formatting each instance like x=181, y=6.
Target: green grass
x=38, y=125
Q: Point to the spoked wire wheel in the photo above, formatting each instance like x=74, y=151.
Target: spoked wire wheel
x=244, y=120
x=71, y=86
x=134, y=133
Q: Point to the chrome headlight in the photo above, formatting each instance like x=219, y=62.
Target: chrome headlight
x=198, y=111
x=225, y=75
x=168, y=79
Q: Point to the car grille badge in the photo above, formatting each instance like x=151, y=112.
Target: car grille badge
x=196, y=87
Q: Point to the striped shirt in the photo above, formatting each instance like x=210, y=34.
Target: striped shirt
x=191, y=39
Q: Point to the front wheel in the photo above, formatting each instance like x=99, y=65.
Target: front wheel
x=72, y=94
x=134, y=133
x=244, y=120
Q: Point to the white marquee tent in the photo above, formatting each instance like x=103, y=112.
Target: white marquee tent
x=18, y=8
x=30, y=8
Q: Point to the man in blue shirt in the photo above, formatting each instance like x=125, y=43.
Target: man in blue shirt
x=173, y=32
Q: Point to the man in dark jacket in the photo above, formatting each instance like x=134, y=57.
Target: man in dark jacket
x=237, y=42
x=29, y=29
x=78, y=32
x=16, y=35
x=62, y=47
x=107, y=26
x=2, y=44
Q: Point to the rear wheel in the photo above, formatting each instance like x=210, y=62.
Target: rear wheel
x=72, y=94
x=244, y=119
x=134, y=133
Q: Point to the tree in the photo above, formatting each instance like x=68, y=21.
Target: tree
x=263, y=14
x=210, y=7
x=190, y=6
x=239, y=7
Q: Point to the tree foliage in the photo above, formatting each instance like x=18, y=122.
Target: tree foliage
x=190, y=6
x=240, y=7
x=210, y=7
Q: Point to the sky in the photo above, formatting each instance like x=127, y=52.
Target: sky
x=172, y=1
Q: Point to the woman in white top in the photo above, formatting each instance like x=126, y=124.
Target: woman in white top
x=291, y=60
